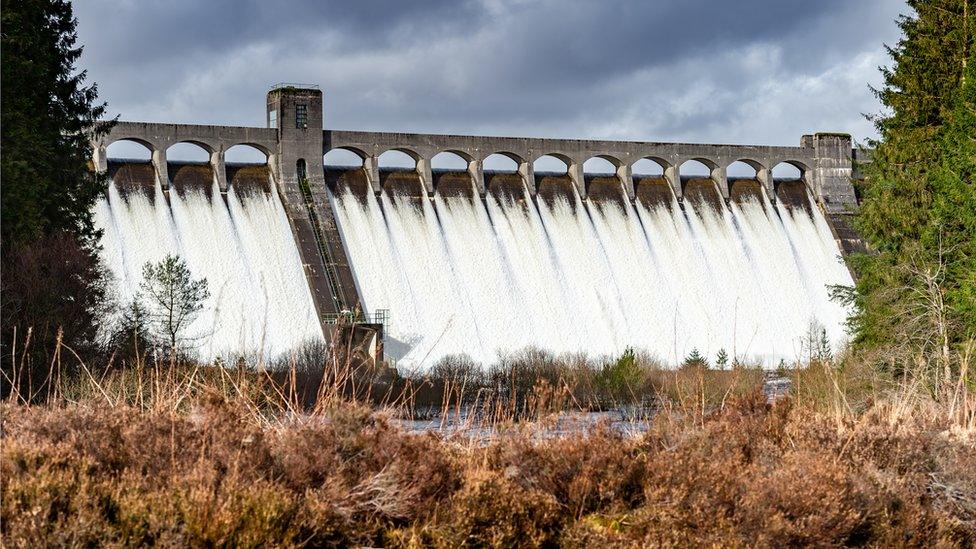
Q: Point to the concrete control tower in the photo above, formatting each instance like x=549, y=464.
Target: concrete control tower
x=294, y=111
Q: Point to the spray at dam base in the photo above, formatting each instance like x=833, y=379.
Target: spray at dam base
x=481, y=264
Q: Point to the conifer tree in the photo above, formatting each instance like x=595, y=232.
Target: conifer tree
x=917, y=196
x=173, y=299
x=48, y=117
x=53, y=286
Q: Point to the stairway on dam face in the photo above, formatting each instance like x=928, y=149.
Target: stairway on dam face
x=320, y=246
x=330, y=250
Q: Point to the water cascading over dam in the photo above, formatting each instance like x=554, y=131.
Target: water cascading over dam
x=240, y=242
x=484, y=278
x=484, y=263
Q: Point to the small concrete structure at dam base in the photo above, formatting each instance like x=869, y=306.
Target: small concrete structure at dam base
x=295, y=144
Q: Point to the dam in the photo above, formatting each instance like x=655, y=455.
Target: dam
x=486, y=261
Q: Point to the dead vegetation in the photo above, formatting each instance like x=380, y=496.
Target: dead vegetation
x=198, y=456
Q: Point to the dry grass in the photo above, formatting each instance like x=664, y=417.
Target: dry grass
x=217, y=456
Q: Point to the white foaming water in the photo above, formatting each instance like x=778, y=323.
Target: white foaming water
x=484, y=279
x=259, y=302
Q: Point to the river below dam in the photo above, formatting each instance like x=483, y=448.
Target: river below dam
x=627, y=420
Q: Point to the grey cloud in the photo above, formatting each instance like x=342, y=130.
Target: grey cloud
x=749, y=71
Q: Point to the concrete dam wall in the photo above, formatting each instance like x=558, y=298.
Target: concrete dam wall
x=481, y=262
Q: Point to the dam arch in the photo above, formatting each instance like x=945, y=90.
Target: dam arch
x=195, y=165
x=403, y=170
x=744, y=167
x=350, y=169
x=742, y=177
x=129, y=163
x=556, y=168
x=398, y=158
x=128, y=149
x=247, y=167
x=247, y=153
x=189, y=151
x=509, y=173
x=655, y=181
x=649, y=165
x=450, y=160
x=692, y=171
x=344, y=157
x=552, y=162
x=446, y=169
x=609, y=176
x=502, y=161
x=788, y=172
x=601, y=164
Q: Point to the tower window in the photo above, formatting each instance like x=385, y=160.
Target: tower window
x=273, y=119
x=301, y=169
x=301, y=116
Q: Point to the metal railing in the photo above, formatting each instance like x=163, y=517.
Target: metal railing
x=327, y=264
x=283, y=85
x=379, y=316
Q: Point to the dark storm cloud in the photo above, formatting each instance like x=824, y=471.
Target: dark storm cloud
x=746, y=71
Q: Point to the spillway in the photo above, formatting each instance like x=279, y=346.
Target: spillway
x=462, y=275
x=241, y=243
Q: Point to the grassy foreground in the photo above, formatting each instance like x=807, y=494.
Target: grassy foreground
x=203, y=457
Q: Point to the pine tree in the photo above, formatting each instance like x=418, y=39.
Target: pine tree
x=916, y=204
x=173, y=299
x=695, y=360
x=52, y=280
x=722, y=359
x=48, y=116
x=952, y=228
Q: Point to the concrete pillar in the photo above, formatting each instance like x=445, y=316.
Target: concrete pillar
x=371, y=165
x=477, y=171
x=100, y=158
x=626, y=176
x=578, y=177
x=721, y=181
x=528, y=176
x=273, y=168
x=832, y=185
x=426, y=176
x=162, y=172
x=765, y=177
x=219, y=169
x=673, y=175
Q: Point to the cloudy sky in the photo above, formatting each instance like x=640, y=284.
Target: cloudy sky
x=747, y=71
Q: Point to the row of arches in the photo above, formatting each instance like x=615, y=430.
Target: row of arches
x=185, y=151
x=447, y=160
x=723, y=173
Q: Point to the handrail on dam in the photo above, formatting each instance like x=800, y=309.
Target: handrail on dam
x=292, y=85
